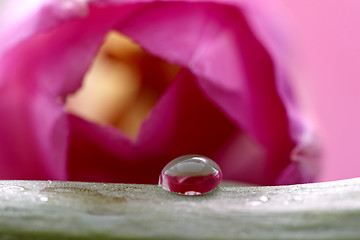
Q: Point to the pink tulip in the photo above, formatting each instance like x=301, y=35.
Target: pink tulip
x=232, y=99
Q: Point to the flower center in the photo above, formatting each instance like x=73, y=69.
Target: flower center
x=122, y=85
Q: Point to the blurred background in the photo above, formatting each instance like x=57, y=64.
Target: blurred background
x=327, y=38
x=329, y=44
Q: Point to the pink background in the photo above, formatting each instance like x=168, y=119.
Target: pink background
x=329, y=43
x=328, y=40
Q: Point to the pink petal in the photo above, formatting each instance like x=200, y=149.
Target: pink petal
x=237, y=74
x=33, y=134
x=42, y=69
x=237, y=60
x=184, y=121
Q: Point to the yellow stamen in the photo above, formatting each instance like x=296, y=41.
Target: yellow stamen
x=122, y=86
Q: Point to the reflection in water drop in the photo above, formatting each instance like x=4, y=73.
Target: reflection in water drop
x=192, y=193
x=190, y=175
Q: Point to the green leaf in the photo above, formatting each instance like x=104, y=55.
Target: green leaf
x=75, y=210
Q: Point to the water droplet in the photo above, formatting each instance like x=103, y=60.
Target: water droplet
x=44, y=198
x=264, y=198
x=255, y=203
x=190, y=175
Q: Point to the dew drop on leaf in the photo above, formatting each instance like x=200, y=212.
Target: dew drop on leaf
x=190, y=175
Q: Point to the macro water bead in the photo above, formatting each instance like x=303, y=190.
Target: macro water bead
x=190, y=175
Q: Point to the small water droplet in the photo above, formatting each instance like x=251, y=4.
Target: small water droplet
x=264, y=198
x=44, y=198
x=50, y=182
x=255, y=203
x=190, y=175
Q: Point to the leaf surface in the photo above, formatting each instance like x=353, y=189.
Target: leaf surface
x=72, y=210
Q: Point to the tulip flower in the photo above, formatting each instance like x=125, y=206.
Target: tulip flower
x=197, y=77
